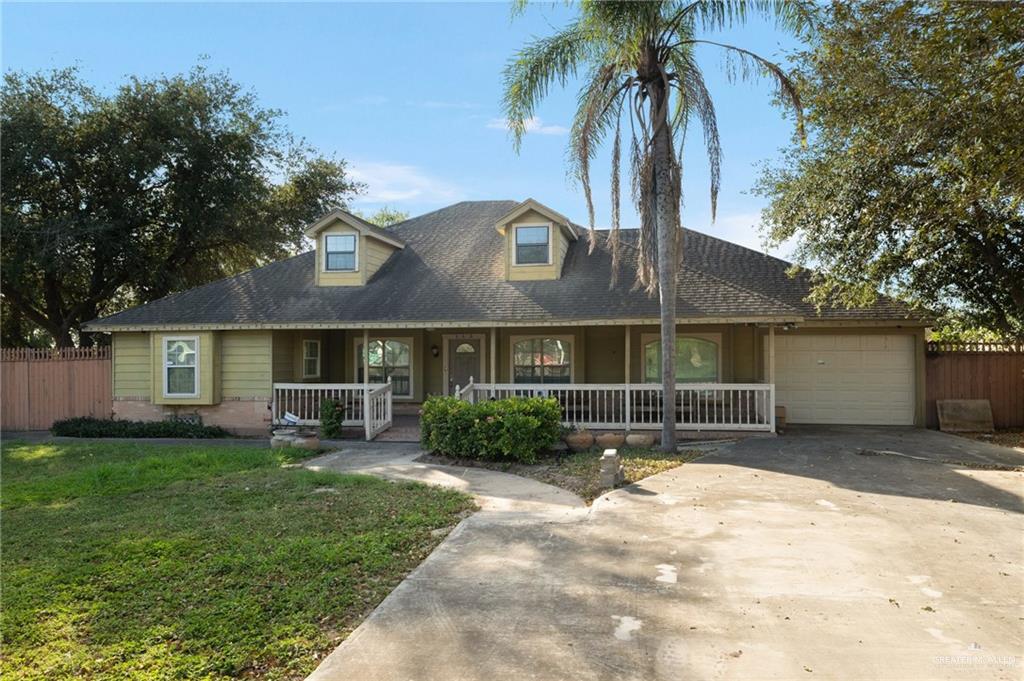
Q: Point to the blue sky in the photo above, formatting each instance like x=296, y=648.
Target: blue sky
x=409, y=94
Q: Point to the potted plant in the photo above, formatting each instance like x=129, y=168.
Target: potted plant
x=579, y=439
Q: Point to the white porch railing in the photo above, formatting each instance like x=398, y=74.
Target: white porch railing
x=699, y=406
x=303, y=400
x=378, y=412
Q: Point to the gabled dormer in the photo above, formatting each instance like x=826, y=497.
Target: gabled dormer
x=349, y=250
x=536, y=239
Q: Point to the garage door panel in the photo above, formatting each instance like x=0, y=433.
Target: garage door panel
x=846, y=378
x=848, y=342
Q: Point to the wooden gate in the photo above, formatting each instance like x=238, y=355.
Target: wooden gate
x=38, y=387
x=977, y=371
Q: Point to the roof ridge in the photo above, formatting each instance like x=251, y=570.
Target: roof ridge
x=443, y=208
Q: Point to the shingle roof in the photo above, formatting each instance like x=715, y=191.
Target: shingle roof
x=452, y=270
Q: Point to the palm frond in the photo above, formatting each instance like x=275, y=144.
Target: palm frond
x=694, y=99
x=616, y=187
x=795, y=16
x=535, y=68
x=595, y=114
x=745, y=64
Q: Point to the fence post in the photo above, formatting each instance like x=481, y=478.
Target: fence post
x=366, y=408
x=771, y=405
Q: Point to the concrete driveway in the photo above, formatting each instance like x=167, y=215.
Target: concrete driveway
x=783, y=558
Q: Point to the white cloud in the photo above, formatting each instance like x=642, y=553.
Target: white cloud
x=395, y=183
x=442, y=104
x=744, y=229
x=533, y=125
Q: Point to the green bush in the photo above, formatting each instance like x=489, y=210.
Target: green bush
x=513, y=429
x=84, y=426
x=332, y=414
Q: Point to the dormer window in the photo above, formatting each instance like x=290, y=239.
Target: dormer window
x=533, y=245
x=340, y=253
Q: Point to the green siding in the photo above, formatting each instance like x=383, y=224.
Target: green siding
x=246, y=362
x=131, y=364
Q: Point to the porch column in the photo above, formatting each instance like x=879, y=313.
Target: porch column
x=627, y=350
x=366, y=356
x=627, y=398
x=366, y=383
x=494, y=354
x=771, y=376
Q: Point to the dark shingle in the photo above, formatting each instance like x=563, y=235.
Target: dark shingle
x=452, y=270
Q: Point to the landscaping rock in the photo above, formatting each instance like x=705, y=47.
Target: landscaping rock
x=610, y=440
x=311, y=442
x=580, y=441
x=640, y=440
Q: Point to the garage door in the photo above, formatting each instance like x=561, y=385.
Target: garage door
x=845, y=378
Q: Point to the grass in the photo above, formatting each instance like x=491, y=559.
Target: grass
x=155, y=561
x=580, y=473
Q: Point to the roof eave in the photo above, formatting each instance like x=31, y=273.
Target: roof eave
x=356, y=223
x=532, y=204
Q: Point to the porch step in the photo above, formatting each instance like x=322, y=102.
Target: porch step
x=404, y=428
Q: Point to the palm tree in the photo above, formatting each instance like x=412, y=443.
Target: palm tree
x=639, y=66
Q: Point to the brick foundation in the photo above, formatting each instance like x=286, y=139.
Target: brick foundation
x=243, y=416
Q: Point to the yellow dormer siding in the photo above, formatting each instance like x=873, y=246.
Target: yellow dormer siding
x=527, y=230
x=357, y=258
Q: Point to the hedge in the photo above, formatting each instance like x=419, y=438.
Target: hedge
x=512, y=429
x=85, y=426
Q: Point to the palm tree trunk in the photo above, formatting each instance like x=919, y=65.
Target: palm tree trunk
x=666, y=212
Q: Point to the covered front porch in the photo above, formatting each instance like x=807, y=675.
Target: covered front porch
x=604, y=376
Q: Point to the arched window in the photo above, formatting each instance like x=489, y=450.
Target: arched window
x=465, y=348
x=542, y=360
x=696, y=360
x=389, y=358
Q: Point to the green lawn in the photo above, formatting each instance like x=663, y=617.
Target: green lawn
x=195, y=562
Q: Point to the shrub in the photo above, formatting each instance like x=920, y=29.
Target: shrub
x=513, y=429
x=332, y=414
x=84, y=426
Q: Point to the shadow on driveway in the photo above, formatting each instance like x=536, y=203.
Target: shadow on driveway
x=906, y=462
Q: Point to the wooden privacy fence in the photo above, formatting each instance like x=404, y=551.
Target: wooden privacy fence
x=38, y=387
x=977, y=371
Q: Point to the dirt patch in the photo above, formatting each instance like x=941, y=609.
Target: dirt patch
x=579, y=473
x=981, y=465
x=1004, y=438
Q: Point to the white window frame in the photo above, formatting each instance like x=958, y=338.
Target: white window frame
x=570, y=339
x=515, y=243
x=319, y=356
x=355, y=251
x=358, y=363
x=647, y=338
x=164, y=340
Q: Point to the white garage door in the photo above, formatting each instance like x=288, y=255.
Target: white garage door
x=850, y=379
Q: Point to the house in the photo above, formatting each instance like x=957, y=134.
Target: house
x=492, y=298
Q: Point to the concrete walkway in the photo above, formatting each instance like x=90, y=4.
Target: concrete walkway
x=502, y=497
x=789, y=558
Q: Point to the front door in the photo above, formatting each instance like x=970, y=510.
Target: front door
x=463, y=362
